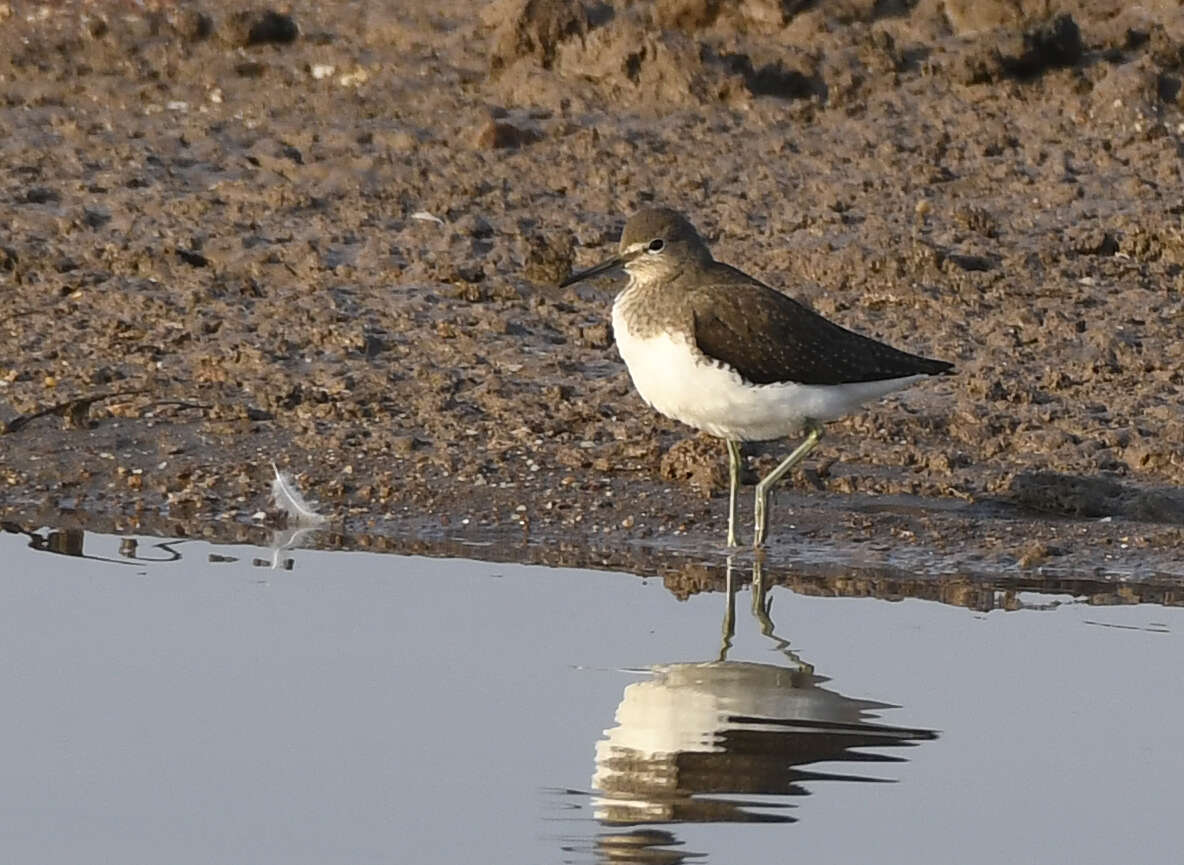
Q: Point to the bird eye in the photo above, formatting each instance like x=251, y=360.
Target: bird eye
x=656, y=245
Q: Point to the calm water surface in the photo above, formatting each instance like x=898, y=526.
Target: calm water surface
x=203, y=707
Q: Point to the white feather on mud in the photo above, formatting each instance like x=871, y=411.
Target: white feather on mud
x=289, y=499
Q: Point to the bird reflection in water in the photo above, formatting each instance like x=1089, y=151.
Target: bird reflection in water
x=694, y=740
x=71, y=542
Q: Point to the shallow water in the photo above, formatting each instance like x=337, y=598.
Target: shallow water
x=185, y=703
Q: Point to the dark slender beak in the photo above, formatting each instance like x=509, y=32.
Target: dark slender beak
x=606, y=265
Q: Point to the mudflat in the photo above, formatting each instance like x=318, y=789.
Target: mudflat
x=328, y=235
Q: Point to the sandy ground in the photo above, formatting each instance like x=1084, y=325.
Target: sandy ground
x=328, y=235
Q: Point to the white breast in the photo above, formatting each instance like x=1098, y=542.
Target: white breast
x=680, y=382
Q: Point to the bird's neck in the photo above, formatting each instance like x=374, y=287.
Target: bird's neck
x=650, y=306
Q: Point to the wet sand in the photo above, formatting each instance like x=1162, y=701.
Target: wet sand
x=330, y=238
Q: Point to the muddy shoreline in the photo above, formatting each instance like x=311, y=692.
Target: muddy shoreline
x=329, y=236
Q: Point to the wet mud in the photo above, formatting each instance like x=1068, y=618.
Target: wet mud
x=328, y=236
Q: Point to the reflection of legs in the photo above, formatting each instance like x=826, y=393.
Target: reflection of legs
x=762, y=489
x=762, y=607
x=729, y=629
x=733, y=487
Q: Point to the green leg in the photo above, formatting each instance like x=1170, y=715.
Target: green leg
x=734, y=488
x=762, y=489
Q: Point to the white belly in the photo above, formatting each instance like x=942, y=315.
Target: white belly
x=674, y=378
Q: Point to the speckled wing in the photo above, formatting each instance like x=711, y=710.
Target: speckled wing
x=768, y=337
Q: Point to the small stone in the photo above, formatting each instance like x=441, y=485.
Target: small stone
x=473, y=225
x=688, y=15
x=192, y=24
x=273, y=27
x=1033, y=554
x=531, y=28
x=41, y=195
x=549, y=258
x=696, y=461
x=596, y=335
x=501, y=134
x=95, y=217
